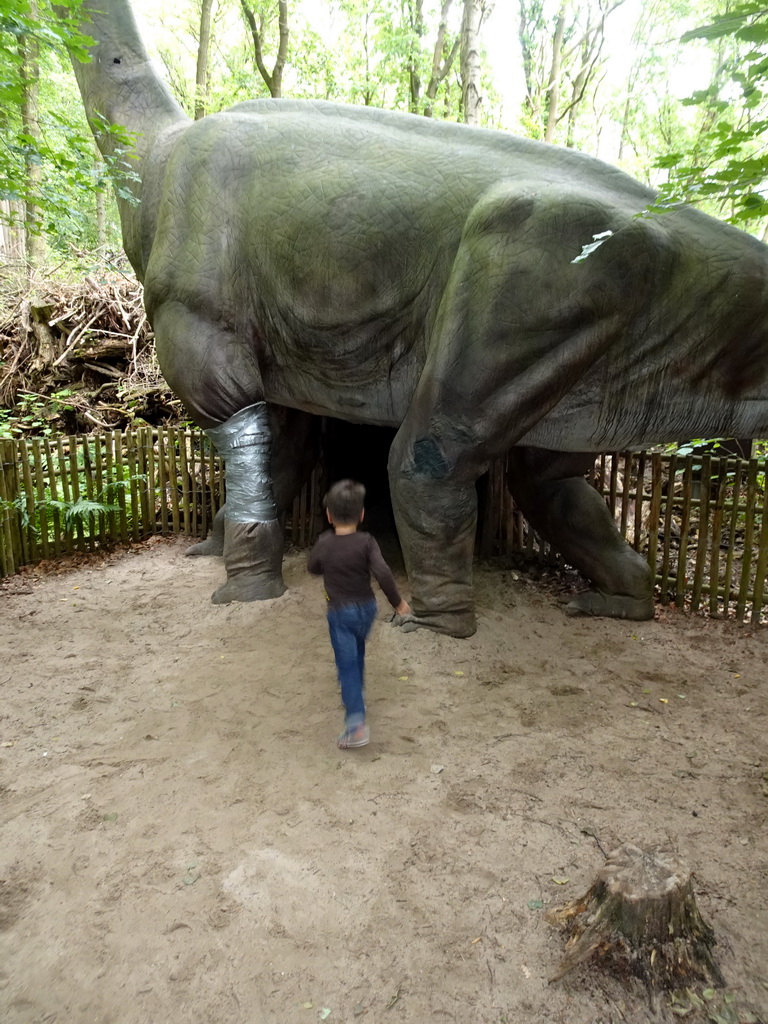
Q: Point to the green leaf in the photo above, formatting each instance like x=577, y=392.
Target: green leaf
x=670, y=160
x=80, y=509
x=757, y=32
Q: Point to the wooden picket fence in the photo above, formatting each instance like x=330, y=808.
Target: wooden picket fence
x=81, y=493
x=702, y=522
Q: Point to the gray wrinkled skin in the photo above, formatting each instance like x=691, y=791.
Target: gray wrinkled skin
x=389, y=269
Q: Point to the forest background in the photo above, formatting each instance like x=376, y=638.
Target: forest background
x=672, y=91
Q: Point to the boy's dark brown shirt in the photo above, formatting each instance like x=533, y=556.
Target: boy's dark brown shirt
x=346, y=562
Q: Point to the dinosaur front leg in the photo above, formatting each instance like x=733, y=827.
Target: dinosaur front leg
x=436, y=515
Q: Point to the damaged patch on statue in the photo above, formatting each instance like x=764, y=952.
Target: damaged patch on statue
x=597, y=241
x=428, y=460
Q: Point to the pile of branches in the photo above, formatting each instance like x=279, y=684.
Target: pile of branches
x=81, y=357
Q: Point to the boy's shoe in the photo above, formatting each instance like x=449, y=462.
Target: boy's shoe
x=357, y=736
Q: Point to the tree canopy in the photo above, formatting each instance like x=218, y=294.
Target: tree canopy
x=671, y=90
x=728, y=162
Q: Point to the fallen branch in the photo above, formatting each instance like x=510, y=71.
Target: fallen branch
x=75, y=336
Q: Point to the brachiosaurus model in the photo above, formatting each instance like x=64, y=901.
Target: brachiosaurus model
x=481, y=293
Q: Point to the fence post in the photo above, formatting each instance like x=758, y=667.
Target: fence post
x=151, y=482
x=749, y=528
x=98, y=484
x=734, y=506
x=702, y=534
x=717, y=529
x=9, y=518
x=639, y=496
x=42, y=512
x=685, y=525
x=186, y=482
x=29, y=500
x=142, y=482
x=54, y=489
x=93, y=520
x=162, y=479
x=131, y=462
x=74, y=482
x=173, y=476
x=654, y=513
x=762, y=554
x=666, y=550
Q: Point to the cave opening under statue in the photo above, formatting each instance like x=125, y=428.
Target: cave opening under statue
x=358, y=451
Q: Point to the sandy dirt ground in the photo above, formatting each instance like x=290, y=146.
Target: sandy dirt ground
x=183, y=842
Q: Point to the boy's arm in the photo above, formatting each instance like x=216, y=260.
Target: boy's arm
x=385, y=579
x=315, y=561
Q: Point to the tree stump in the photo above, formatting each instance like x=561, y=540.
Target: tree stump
x=640, y=918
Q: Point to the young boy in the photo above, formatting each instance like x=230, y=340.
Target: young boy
x=345, y=559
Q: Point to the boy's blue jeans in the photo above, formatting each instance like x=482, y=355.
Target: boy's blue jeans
x=349, y=627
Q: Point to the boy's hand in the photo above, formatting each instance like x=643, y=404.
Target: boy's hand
x=403, y=608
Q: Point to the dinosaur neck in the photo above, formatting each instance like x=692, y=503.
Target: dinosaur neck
x=120, y=85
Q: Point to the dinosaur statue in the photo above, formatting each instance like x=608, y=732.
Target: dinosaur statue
x=481, y=293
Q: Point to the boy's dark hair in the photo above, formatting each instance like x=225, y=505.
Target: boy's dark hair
x=345, y=501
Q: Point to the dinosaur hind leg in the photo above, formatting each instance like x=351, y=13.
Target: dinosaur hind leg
x=551, y=490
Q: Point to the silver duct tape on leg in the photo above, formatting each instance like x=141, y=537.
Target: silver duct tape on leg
x=244, y=442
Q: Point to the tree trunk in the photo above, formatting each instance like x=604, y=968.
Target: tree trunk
x=591, y=45
x=101, y=202
x=368, y=92
x=29, y=51
x=441, y=62
x=640, y=917
x=12, y=229
x=274, y=79
x=416, y=12
x=625, y=121
x=101, y=219
x=553, y=88
x=529, y=19
x=471, y=95
x=203, y=47
x=34, y=319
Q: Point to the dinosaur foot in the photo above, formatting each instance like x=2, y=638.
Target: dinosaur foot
x=253, y=555
x=214, y=542
x=210, y=546
x=612, y=606
x=458, y=624
x=244, y=587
